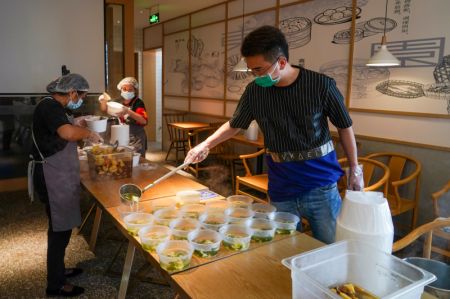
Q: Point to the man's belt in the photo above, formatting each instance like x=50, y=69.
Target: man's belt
x=303, y=155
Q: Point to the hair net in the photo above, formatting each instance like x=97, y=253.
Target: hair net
x=128, y=80
x=67, y=83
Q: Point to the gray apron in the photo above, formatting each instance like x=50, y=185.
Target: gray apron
x=139, y=133
x=62, y=179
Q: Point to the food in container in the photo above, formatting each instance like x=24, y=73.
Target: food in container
x=174, y=255
x=236, y=237
x=135, y=221
x=206, y=242
x=349, y=290
x=166, y=215
x=125, y=210
x=188, y=197
x=106, y=163
x=152, y=236
x=240, y=201
x=213, y=220
x=217, y=205
x=239, y=215
x=182, y=227
x=263, y=229
x=192, y=210
x=286, y=223
x=161, y=203
x=264, y=210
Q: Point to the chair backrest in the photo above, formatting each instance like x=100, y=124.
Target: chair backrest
x=245, y=161
x=427, y=229
x=174, y=117
x=340, y=153
x=400, y=175
x=375, y=174
x=436, y=196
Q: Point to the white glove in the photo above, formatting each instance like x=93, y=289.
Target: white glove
x=80, y=121
x=104, y=97
x=197, y=154
x=94, y=138
x=355, y=178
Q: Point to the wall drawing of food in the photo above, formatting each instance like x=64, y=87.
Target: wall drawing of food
x=297, y=31
x=335, y=16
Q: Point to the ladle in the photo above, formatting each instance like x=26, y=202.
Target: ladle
x=131, y=193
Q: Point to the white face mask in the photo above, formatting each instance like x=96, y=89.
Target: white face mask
x=127, y=95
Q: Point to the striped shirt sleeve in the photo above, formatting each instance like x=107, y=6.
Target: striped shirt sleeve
x=335, y=108
x=243, y=116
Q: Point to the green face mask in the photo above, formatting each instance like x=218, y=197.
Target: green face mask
x=267, y=80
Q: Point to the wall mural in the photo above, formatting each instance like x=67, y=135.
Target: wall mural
x=176, y=64
x=421, y=84
x=237, y=81
x=207, y=50
x=318, y=33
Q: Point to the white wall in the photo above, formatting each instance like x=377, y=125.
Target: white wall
x=38, y=37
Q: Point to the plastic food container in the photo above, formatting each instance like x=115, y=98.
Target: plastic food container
x=263, y=229
x=192, y=210
x=286, y=223
x=114, y=108
x=236, y=237
x=382, y=274
x=239, y=216
x=166, y=215
x=152, y=236
x=188, y=197
x=135, y=221
x=162, y=203
x=125, y=210
x=264, y=210
x=217, y=205
x=181, y=227
x=174, y=255
x=213, y=220
x=96, y=123
x=206, y=242
x=240, y=201
x=106, y=164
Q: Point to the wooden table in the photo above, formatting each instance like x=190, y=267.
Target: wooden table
x=255, y=273
x=189, y=125
x=106, y=193
x=258, y=143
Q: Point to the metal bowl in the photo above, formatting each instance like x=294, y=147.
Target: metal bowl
x=441, y=287
x=130, y=194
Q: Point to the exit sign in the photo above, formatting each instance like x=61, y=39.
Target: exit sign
x=154, y=18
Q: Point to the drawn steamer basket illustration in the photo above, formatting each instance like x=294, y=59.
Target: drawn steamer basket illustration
x=297, y=31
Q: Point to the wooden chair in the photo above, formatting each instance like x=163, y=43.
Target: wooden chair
x=178, y=138
x=428, y=229
x=339, y=149
x=443, y=233
x=257, y=182
x=399, y=177
x=375, y=174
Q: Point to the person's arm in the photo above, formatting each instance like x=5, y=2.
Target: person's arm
x=103, y=100
x=200, y=152
x=136, y=116
x=74, y=133
x=355, y=180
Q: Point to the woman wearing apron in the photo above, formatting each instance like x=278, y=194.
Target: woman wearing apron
x=134, y=113
x=57, y=173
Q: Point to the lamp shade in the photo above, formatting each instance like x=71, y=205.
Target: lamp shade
x=383, y=58
x=241, y=66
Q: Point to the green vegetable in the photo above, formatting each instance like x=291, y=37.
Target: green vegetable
x=205, y=253
x=133, y=231
x=262, y=238
x=178, y=237
x=235, y=246
x=281, y=231
x=130, y=197
x=177, y=265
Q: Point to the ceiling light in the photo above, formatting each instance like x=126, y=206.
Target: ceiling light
x=383, y=57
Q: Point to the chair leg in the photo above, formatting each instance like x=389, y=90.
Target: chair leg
x=170, y=148
x=233, y=178
x=414, y=218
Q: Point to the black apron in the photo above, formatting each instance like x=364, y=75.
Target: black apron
x=62, y=179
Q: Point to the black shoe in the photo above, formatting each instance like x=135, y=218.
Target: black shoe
x=71, y=272
x=76, y=290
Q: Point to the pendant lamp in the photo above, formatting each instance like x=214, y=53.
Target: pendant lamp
x=383, y=57
x=241, y=66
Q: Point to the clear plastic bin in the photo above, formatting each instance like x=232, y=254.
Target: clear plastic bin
x=382, y=274
x=104, y=164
